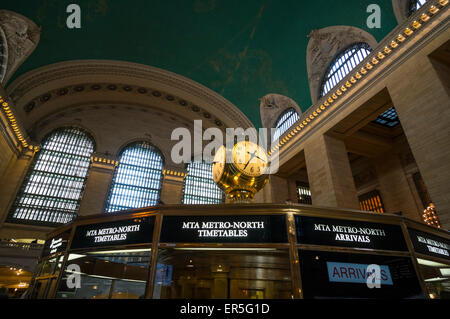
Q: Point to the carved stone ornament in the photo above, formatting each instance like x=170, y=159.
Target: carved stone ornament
x=273, y=105
x=22, y=36
x=324, y=45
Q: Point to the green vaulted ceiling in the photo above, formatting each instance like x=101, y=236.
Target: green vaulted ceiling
x=242, y=49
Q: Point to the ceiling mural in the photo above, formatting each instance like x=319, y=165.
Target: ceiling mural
x=242, y=50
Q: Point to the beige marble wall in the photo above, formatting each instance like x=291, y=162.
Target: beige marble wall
x=422, y=102
x=394, y=187
x=329, y=173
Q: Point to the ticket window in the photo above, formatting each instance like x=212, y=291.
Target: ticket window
x=113, y=274
x=437, y=278
x=209, y=273
x=345, y=275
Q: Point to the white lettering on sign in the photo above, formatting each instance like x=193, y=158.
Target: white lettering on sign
x=434, y=246
x=351, y=234
x=54, y=245
x=223, y=229
x=112, y=234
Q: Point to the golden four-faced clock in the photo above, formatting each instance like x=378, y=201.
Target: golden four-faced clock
x=241, y=171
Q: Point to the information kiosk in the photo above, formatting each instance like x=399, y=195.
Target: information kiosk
x=244, y=251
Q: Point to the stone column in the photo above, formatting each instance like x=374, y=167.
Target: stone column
x=394, y=186
x=329, y=173
x=172, y=186
x=98, y=183
x=279, y=189
x=423, y=105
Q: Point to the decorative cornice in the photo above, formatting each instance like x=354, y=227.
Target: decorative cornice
x=75, y=89
x=66, y=71
x=101, y=160
x=11, y=123
x=174, y=174
x=22, y=36
x=30, y=151
x=373, y=61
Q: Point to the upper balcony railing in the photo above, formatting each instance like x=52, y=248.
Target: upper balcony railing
x=21, y=246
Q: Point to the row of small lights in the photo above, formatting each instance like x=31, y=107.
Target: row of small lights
x=174, y=173
x=14, y=126
x=359, y=74
x=96, y=159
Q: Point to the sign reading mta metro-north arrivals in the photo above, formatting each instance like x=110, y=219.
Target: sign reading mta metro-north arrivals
x=429, y=244
x=122, y=232
x=349, y=233
x=224, y=229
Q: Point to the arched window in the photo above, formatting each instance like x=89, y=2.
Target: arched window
x=199, y=186
x=415, y=5
x=285, y=121
x=343, y=64
x=137, y=180
x=52, y=190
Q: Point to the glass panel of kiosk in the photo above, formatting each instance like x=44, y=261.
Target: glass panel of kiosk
x=433, y=253
x=45, y=278
x=191, y=266
x=115, y=274
x=354, y=259
x=108, y=260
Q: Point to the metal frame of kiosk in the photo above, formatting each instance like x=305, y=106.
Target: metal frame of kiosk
x=312, y=237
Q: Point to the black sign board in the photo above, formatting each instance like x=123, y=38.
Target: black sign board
x=344, y=275
x=429, y=244
x=349, y=233
x=224, y=229
x=123, y=232
x=56, y=244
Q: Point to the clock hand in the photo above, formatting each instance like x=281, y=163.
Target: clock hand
x=260, y=158
x=251, y=157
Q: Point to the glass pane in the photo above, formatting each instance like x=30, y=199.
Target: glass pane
x=39, y=289
x=437, y=278
x=416, y=5
x=285, y=121
x=223, y=273
x=199, y=186
x=53, y=187
x=327, y=275
x=48, y=267
x=118, y=274
x=343, y=65
x=137, y=180
x=388, y=118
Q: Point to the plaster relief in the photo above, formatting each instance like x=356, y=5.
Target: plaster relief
x=273, y=105
x=324, y=45
x=22, y=36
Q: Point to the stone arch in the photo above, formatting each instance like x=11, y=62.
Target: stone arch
x=50, y=129
x=118, y=101
x=122, y=147
x=273, y=105
x=324, y=45
x=402, y=9
x=3, y=55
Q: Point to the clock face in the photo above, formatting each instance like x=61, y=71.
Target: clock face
x=250, y=158
x=219, y=164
